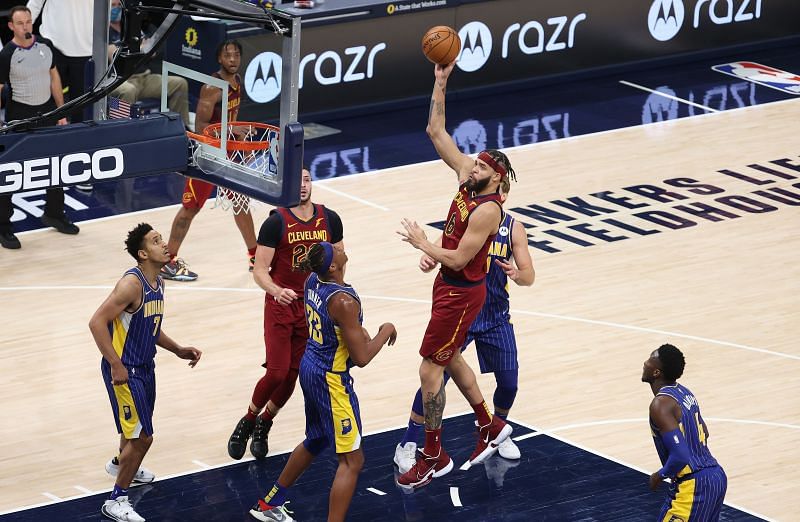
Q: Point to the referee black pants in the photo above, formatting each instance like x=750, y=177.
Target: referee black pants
x=54, y=198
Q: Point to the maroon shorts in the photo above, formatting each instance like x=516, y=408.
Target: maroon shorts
x=285, y=333
x=453, y=311
x=196, y=192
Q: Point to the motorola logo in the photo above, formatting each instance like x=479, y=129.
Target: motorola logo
x=262, y=80
x=476, y=46
x=665, y=19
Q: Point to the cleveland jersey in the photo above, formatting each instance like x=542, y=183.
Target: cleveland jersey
x=496, y=307
x=693, y=428
x=234, y=99
x=296, y=237
x=134, y=334
x=326, y=348
x=463, y=205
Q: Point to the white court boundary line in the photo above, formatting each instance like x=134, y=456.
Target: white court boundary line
x=668, y=96
x=437, y=161
x=549, y=433
x=536, y=432
x=424, y=301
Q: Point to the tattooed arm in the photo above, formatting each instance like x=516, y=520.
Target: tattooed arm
x=442, y=141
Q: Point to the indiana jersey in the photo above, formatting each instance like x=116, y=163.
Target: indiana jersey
x=496, y=307
x=134, y=334
x=693, y=428
x=464, y=203
x=326, y=348
x=234, y=99
x=297, y=236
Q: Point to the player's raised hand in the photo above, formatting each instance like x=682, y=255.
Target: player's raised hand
x=189, y=353
x=413, y=233
x=442, y=72
x=508, y=267
x=427, y=263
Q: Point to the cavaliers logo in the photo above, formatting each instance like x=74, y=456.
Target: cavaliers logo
x=451, y=225
x=444, y=355
x=347, y=426
x=187, y=197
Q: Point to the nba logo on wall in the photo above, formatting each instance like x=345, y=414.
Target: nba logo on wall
x=665, y=19
x=262, y=80
x=476, y=46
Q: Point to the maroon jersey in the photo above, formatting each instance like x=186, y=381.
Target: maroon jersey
x=464, y=203
x=234, y=98
x=297, y=236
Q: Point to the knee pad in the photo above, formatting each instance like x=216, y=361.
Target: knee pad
x=506, y=390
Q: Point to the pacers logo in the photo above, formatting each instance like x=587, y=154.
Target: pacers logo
x=476, y=46
x=665, y=19
x=262, y=80
x=347, y=426
x=191, y=36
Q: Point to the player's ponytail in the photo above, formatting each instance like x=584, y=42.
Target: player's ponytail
x=318, y=259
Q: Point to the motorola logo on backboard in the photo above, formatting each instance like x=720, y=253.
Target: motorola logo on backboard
x=476, y=46
x=665, y=19
x=262, y=80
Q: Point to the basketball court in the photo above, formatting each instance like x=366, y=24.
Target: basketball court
x=680, y=231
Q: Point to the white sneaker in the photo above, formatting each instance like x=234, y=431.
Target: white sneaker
x=405, y=456
x=143, y=475
x=120, y=510
x=509, y=450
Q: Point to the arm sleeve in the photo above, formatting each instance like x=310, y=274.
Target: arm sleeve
x=337, y=231
x=270, y=233
x=678, y=451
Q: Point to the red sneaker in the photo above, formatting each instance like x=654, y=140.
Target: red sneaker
x=426, y=469
x=489, y=438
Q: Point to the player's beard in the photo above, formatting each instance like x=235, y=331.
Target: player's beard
x=307, y=198
x=474, y=185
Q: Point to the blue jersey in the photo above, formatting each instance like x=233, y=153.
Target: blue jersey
x=326, y=348
x=693, y=428
x=134, y=334
x=496, y=307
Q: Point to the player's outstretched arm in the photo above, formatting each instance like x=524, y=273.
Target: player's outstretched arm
x=344, y=311
x=523, y=273
x=442, y=141
x=482, y=224
x=189, y=353
x=127, y=295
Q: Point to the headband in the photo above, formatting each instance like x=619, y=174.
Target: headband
x=486, y=158
x=327, y=258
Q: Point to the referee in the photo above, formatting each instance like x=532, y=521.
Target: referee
x=28, y=71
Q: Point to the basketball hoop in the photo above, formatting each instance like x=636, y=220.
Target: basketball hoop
x=252, y=149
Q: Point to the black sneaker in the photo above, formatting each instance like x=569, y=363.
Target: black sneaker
x=259, y=446
x=61, y=223
x=9, y=240
x=238, y=441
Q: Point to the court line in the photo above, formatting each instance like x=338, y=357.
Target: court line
x=201, y=464
x=376, y=491
x=609, y=422
x=52, y=497
x=82, y=489
x=425, y=301
x=325, y=186
x=454, y=497
x=549, y=433
x=668, y=96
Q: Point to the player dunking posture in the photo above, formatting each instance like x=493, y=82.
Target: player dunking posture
x=336, y=342
x=459, y=292
x=681, y=438
x=196, y=192
x=283, y=242
x=127, y=328
x=492, y=331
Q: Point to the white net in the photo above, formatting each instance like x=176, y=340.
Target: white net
x=252, y=150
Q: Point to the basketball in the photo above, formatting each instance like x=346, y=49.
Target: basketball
x=441, y=44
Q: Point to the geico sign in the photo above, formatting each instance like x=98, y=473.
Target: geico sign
x=534, y=43
x=56, y=171
x=723, y=12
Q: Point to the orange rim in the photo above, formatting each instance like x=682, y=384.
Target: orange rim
x=211, y=132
